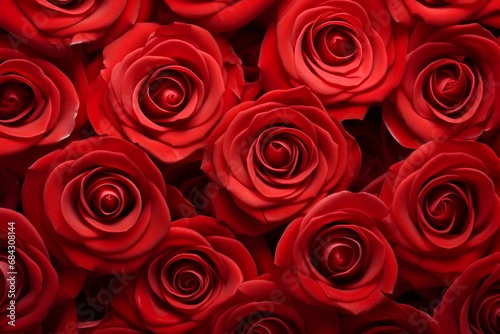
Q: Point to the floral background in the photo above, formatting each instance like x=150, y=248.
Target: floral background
x=251, y=166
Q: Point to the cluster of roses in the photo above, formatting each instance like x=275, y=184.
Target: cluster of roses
x=252, y=166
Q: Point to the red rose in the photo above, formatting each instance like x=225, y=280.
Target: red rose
x=198, y=266
x=53, y=26
x=32, y=289
x=259, y=306
x=38, y=102
x=471, y=304
x=165, y=88
x=218, y=16
x=444, y=210
x=390, y=317
x=445, y=12
x=276, y=157
x=349, y=53
x=336, y=257
x=99, y=204
x=113, y=325
x=450, y=86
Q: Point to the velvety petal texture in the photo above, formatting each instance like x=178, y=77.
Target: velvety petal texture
x=450, y=86
x=276, y=157
x=349, y=53
x=53, y=26
x=472, y=303
x=336, y=257
x=198, y=266
x=29, y=281
x=444, y=201
x=165, y=88
x=99, y=204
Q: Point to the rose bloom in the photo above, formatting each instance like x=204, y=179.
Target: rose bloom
x=450, y=86
x=471, y=303
x=445, y=12
x=276, y=157
x=53, y=26
x=165, y=88
x=198, y=266
x=218, y=16
x=36, y=281
x=444, y=210
x=390, y=318
x=349, y=53
x=38, y=102
x=99, y=204
x=259, y=306
x=336, y=257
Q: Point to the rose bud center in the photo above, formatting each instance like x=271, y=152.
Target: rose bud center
x=16, y=100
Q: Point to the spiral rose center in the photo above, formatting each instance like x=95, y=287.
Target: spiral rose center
x=335, y=45
x=336, y=254
x=340, y=257
x=277, y=153
x=449, y=88
x=15, y=100
x=107, y=196
x=446, y=208
x=187, y=277
x=168, y=91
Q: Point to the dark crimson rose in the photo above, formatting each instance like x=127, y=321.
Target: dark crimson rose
x=349, y=53
x=52, y=26
x=34, y=285
x=276, y=157
x=165, y=88
x=259, y=306
x=38, y=102
x=472, y=303
x=390, y=318
x=10, y=192
x=99, y=204
x=336, y=257
x=450, y=86
x=198, y=266
x=216, y=15
x=445, y=12
x=444, y=210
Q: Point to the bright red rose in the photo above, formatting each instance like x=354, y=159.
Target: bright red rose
x=349, y=53
x=52, y=26
x=38, y=102
x=445, y=12
x=450, y=86
x=276, y=157
x=259, y=306
x=471, y=304
x=390, y=317
x=336, y=257
x=216, y=15
x=198, y=266
x=99, y=204
x=34, y=284
x=444, y=201
x=165, y=88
